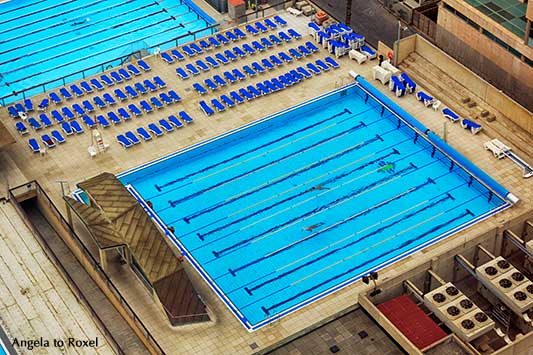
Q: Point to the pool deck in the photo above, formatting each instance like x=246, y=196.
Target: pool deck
x=71, y=162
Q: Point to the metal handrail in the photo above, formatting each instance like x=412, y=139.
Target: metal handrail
x=96, y=265
x=102, y=67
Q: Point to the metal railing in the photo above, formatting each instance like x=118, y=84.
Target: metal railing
x=43, y=196
x=102, y=67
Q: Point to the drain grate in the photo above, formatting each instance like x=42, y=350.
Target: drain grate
x=254, y=346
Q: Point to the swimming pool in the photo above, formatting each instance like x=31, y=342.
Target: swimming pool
x=284, y=211
x=44, y=40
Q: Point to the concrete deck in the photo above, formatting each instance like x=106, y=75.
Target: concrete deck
x=226, y=335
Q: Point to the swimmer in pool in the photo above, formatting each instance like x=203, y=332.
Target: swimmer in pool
x=313, y=226
x=319, y=187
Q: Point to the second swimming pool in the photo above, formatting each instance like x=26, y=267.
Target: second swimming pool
x=284, y=211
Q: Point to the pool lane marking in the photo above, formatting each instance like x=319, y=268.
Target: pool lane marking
x=266, y=165
x=276, y=229
x=406, y=243
x=209, y=167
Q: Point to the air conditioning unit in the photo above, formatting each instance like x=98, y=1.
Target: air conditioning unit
x=493, y=268
x=522, y=298
x=457, y=309
x=439, y=297
x=504, y=283
x=472, y=325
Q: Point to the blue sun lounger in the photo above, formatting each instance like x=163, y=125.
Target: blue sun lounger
x=86, y=87
x=88, y=121
x=258, y=46
x=280, y=21
x=42, y=106
x=155, y=129
x=188, y=51
x=109, y=99
x=227, y=101
x=65, y=93
x=219, y=81
x=396, y=86
x=218, y=105
x=263, y=88
x=248, y=49
x=167, y=58
x=275, y=39
x=332, y=63
x=107, y=80
x=232, y=36
x=266, y=63
x=134, y=110
x=212, y=61
x=99, y=102
x=45, y=120
x=185, y=117
x=144, y=66
x=21, y=128
x=124, y=114
x=285, y=57
x=235, y=96
x=251, y=30
x=149, y=85
x=295, y=74
x=192, y=69
x=229, y=54
x=243, y=92
x=165, y=125
x=277, y=83
x=270, y=24
x=238, y=74
x=20, y=108
x=449, y=114
x=409, y=84
x=229, y=77
x=76, y=90
x=140, y=88
x=158, y=104
x=200, y=63
x=120, y=94
x=311, y=46
x=265, y=42
x=270, y=85
x=96, y=84
x=238, y=32
x=102, y=121
x=58, y=117
x=177, y=55
x=88, y=106
x=146, y=106
x=114, y=118
x=175, y=122
x=55, y=98
x=182, y=74
x=125, y=142
x=141, y=131
x=295, y=54
x=323, y=66
x=284, y=81
x=313, y=69
x=124, y=74
x=213, y=42
x=132, y=137
x=196, y=48
x=28, y=104
x=165, y=98
x=220, y=57
x=222, y=38
x=252, y=90
x=76, y=127
x=199, y=88
x=57, y=136
x=369, y=52
x=303, y=49
x=471, y=125
x=205, y=45
x=131, y=91
x=258, y=68
x=304, y=72
x=210, y=84
x=275, y=60
x=424, y=98
x=78, y=109
x=34, y=145
x=260, y=26
x=294, y=34
x=285, y=37
x=116, y=77
x=249, y=71
x=47, y=141
x=133, y=69
x=238, y=51
x=175, y=97
x=67, y=128
x=159, y=82
x=206, y=109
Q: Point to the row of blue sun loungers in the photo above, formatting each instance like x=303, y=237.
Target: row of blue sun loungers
x=129, y=139
x=55, y=137
x=266, y=87
x=472, y=126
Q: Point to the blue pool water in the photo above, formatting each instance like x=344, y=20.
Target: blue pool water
x=43, y=40
x=286, y=210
